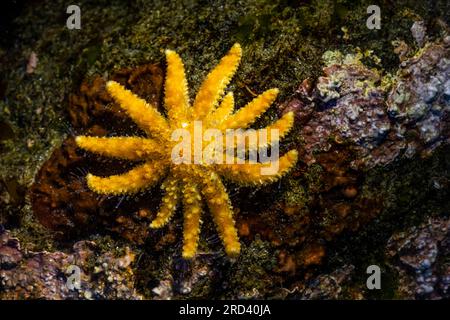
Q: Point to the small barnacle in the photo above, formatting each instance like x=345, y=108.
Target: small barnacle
x=190, y=183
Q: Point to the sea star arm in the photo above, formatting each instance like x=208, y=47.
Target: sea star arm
x=138, y=178
x=192, y=207
x=248, y=114
x=219, y=205
x=218, y=115
x=251, y=173
x=282, y=125
x=130, y=148
x=143, y=114
x=215, y=83
x=169, y=202
x=176, y=96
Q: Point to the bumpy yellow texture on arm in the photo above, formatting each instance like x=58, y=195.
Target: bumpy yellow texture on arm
x=216, y=117
x=142, y=113
x=219, y=205
x=250, y=173
x=215, y=83
x=248, y=114
x=192, y=207
x=282, y=125
x=138, y=178
x=169, y=202
x=130, y=148
x=176, y=96
x=190, y=184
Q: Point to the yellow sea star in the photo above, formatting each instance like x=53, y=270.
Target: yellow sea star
x=188, y=183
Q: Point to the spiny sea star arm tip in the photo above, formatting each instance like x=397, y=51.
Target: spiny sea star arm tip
x=110, y=84
x=130, y=148
x=143, y=114
x=222, y=112
x=289, y=160
x=248, y=114
x=169, y=203
x=215, y=83
x=265, y=136
x=192, y=212
x=251, y=173
x=282, y=125
x=176, y=96
x=236, y=50
x=140, y=177
x=220, y=207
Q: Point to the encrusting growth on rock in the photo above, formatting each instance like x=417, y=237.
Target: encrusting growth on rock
x=194, y=183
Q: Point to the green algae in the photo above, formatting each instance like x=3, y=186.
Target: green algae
x=251, y=274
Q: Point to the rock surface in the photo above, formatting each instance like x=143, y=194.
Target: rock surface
x=47, y=275
x=421, y=257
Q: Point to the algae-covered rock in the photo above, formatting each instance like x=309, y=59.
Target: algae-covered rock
x=420, y=254
x=84, y=273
